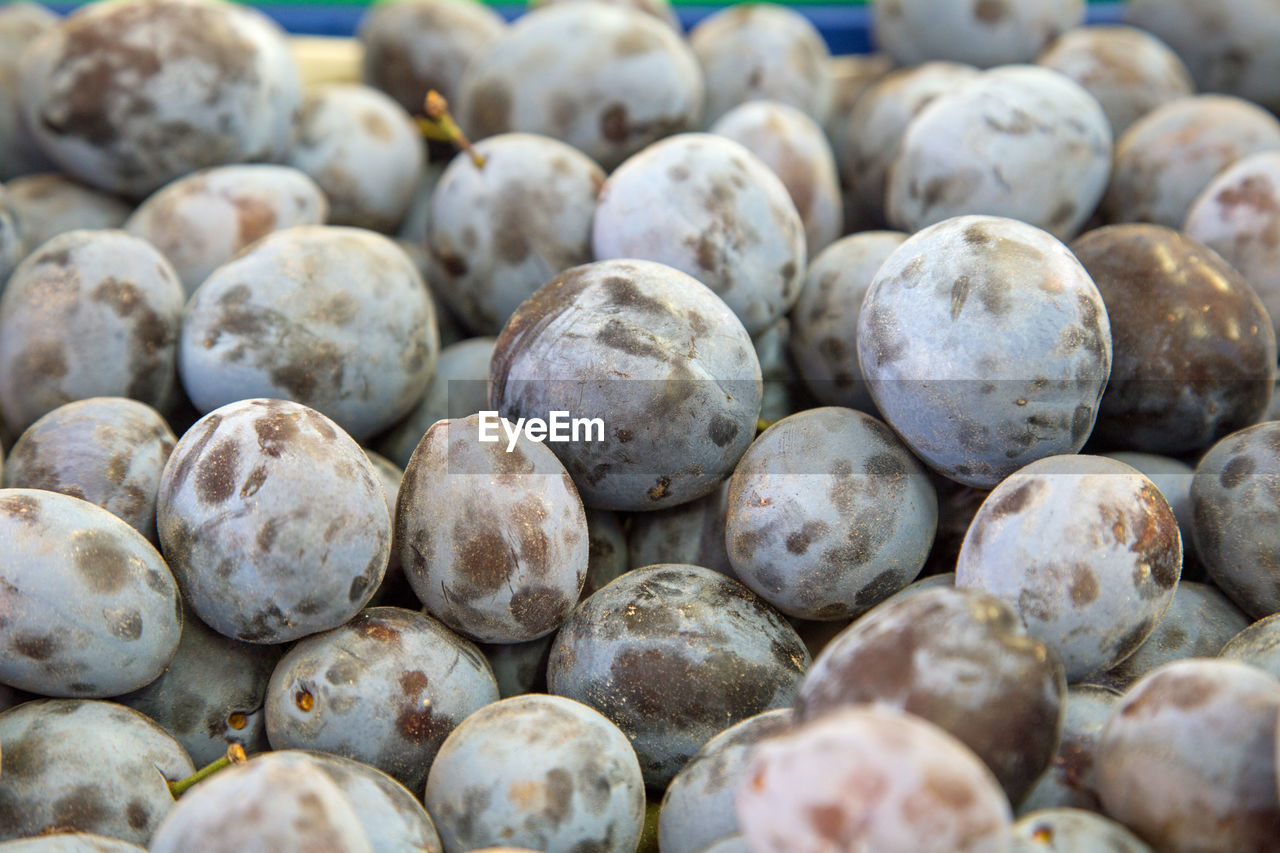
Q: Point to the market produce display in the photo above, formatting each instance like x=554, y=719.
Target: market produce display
x=620, y=428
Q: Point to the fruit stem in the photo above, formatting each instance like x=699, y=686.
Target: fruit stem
x=439, y=126
x=235, y=755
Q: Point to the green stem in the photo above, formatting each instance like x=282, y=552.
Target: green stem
x=235, y=755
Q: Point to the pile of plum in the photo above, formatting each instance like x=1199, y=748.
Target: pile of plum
x=933, y=498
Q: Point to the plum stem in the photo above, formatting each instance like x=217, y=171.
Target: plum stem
x=235, y=755
x=439, y=126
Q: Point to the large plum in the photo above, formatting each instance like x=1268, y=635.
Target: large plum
x=20, y=24
x=50, y=204
x=1193, y=350
x=88, y=314
x=692, y=533
x=128, y=96
x=337, y=319
x=258, y=557
x=576, y=786
x=493, y=538
x=707, y=206
x=87, y=606
x=828, y=514
x=625, y=646
x=392, y=818
x=678, y=402
x=985, y=345
x=983, y=32
x=1087, y=552
x=85, y=766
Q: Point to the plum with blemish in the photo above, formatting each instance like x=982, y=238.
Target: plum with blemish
x=1019, y=141
x=763, y=51
x=109, y=451
x=211, y=693
x=49, y=204
x=85, y=766
x=707, y=206
x=1193, y=349
x=657, y=357
x=500, y=231
x=458, y=389
x=576, y=785
x=824, y=321
x=493, y=539
x=795, y=147
x=128, y=96
x=20, y=24
x=88, y=314
x=1166, y=158
x=985, y=346
x=870, y=778
x=624, y=648
x=569, y=71
x=1068, y=830
x=392, y=817
x=959, y=659
x=1187, y=759
x=697, y=808
x=1069, y=780
x=1087, y=552
x=692, y=533
x=983, y=32
x=203, y=220
x=1129, y=71
x=1173, y=478
x=260, y=558
x=1237, y=534
x=337, y=319
x=87, y=606
x=384, y=689
x=829, y=514
x=363, y=150
x=413, y=47
x=284, y=802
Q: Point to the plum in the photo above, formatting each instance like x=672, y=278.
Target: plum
x=763, y=51
x=1067, y=830
x=692, y=533
x=707, y=206
x=957, y=505
x=258, y=557
x=1229, y=46
x=86, y=766
x=1187, y=759
x=828, y=514
x=570, y=71
x=89, y=607
x=959, y=659
x=363, y=149
x=852, y=76
x=392, y=818
x=982, y=33
x=499, y=232
x=413, y=47
x=1193, y=351
x=1173, y=478
x=678, y=403
x=49, y=204
x=1129, y=71
x=985, y=345
x=337, y=319
x=1257, y=644
x=492, y=537
x=1166, y=158
x=70, y=842
x=606, y=550
x=784, y=393
x=1019, y=141
x=660, y=9
x=870, y=778
x=1085, y=549
x=625, y=646
x=1238, y=216
x=88, y=314
x=697, y=807
x=385, y=689
x=824, y=321
x=109, y=451
x=20, y=24
x=519, y=668
x=458, y=388
x=1069, y=782
x=577, y=784
x=1235, y=514
x=128, y=96
x=12, y=248
x=277, y=802
x=203, y=220
x=795, y=147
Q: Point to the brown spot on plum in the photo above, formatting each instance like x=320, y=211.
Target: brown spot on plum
x=559, y=795
x=267, y=534
x=1084, y=585
x=40, y=363
x=880, y=587
x=722, y=430
x=215, y=479
x=413, y=682
x=1081, y=424
x=827, y=822
x=959, y=293
x=128, y=626
x=35, y=648
x=614, y=124
x=722, y=686
x=539, y=607
x=255, y=218
x=1254, y=191
x=24, y=508
x=101, y=562
x=1234, y=472
x=275, y=431
x=799, y=541
x=624, y=293
x=372, y=628
x=419, y=725
x=616, y=334
x=137, y=814
x=359, y=586
x=484, y=559
x=1016, y=500
x=949, y=791
x=660, y=490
